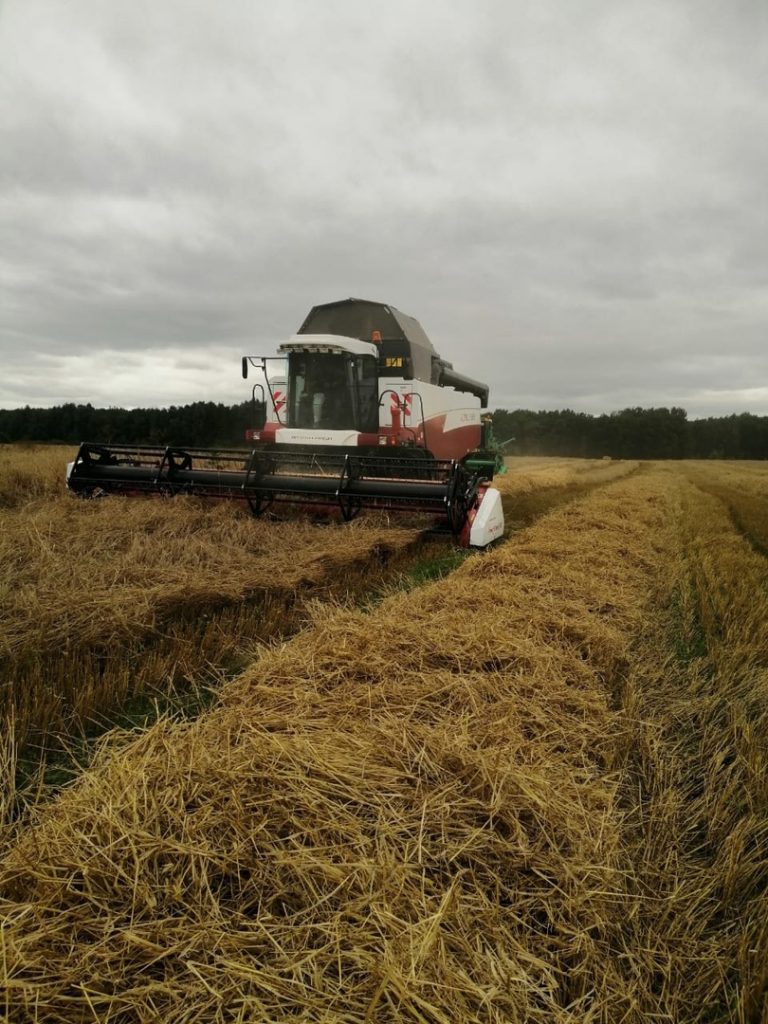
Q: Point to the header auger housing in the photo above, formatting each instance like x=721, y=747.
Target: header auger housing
x=362, y=415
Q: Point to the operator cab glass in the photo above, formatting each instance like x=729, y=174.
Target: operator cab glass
x=332, y=391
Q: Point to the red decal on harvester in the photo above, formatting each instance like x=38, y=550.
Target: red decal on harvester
x=402, y=403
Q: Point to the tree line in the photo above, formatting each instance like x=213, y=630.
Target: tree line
x=199, y=424
x=632, y=434
x=629, y=434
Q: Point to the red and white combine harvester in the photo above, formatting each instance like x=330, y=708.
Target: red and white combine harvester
x=357, y=410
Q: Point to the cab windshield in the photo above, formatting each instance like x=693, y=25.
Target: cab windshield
x=330, y=391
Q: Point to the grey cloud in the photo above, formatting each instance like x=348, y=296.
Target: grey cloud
x=570, y=199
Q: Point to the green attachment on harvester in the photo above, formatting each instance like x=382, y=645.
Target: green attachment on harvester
x=491, y=448
x=483, y=463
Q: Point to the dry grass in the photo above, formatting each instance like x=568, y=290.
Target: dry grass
x=534, y=486
x=101, y=600
x=32, y=471
x=702, y=714
x=409, y=815
x=534, y=791
x=526, y=474
x=743, y=488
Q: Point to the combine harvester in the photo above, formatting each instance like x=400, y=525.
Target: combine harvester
x=357, y=411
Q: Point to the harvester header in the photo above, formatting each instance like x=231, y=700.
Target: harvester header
x=356, y=409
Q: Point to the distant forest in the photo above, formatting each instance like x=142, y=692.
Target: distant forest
x=628, y=434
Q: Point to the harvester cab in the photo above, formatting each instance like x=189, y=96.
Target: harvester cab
x=356, y=410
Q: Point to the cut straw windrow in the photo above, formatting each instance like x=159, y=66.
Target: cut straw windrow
x=406, y=814
x=532, y=791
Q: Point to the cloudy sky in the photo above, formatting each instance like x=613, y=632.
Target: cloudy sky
x=571, y=197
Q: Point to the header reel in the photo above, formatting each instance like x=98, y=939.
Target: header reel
x=450, y=489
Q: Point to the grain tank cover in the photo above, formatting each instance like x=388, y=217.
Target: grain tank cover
x=401, y=335
x=404, y=347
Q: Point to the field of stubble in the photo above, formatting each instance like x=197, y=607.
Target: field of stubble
x=525, y=785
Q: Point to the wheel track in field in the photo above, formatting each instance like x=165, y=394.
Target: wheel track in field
x=695, y=789
x=747, y=509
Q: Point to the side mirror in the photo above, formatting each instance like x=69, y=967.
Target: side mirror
x=245, y=366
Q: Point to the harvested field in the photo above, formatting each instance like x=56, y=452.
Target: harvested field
x=415, y=815
x=698, y=696
x=743, y=488
x=534, y=790
x=532, y=486
x=527, y=473
x=31, y=471
x=103, y=601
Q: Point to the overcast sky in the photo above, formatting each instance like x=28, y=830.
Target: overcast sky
x=570, y=197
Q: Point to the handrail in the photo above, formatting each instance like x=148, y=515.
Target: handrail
x=263, y=369
x=398, y=396
x=416, y=394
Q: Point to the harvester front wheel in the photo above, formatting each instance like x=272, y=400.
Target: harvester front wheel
x=458, y=504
